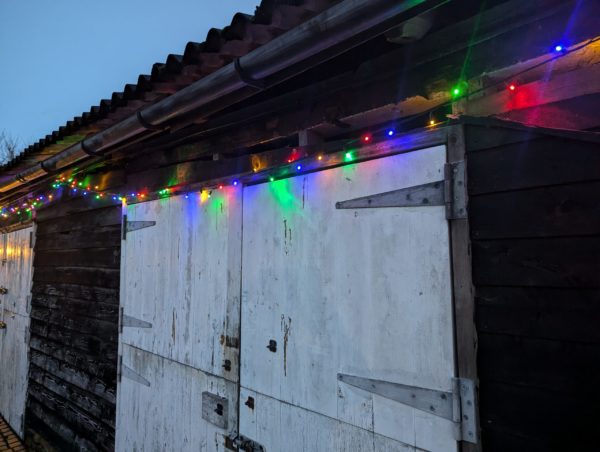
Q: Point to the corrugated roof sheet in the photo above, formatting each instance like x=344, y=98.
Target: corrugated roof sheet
x=221, y=46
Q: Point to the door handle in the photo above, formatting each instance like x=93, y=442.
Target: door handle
x=3, y=290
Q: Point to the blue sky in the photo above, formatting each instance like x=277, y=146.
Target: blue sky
x=60, y=57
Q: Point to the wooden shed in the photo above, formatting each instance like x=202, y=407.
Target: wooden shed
x=286, y=240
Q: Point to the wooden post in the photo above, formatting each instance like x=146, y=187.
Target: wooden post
x=463, y=291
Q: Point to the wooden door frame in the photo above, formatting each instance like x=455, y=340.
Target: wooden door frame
x=463, y=293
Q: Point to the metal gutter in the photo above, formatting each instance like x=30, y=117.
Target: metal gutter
x=330, y=33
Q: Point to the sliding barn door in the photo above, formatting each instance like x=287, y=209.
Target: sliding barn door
x=15, y=287
x=347, y=309
x=179, y=339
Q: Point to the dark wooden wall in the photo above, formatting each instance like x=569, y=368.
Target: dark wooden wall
x=535, y=226
x=74, y=330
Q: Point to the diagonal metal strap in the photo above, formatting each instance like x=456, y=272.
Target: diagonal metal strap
x=127, y=320
x=136, y=225
x=431, y=194
x=128, y=372
x=130, y=226
x=435, y=402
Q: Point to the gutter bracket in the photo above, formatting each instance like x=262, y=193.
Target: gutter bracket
x=87, y=150
x=145, y=124
x=48, y=170
x=248, y=80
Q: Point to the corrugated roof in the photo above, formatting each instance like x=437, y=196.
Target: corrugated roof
x=221, y=47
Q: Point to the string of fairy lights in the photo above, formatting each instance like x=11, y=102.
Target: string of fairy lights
x=296, y=163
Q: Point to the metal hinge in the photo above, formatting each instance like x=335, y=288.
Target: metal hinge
x=246, y=444
x=455, y=190
x=449, y=192
x=125, y=371
x=130, y=226
x=129, y=321
x=457, y=406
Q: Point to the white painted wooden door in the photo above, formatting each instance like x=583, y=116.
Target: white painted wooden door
x=328, y=291
x=15, y=275
x=180, y=290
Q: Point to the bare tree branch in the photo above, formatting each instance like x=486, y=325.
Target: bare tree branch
x=9, y=147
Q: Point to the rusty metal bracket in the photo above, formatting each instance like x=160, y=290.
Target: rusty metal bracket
x=246, y=444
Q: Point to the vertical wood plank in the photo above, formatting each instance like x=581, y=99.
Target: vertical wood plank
x=462, y=280
x=15, y=275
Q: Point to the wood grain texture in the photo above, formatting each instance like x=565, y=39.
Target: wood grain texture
x=562, y=210
x=535, y=230
x=462, y=281
x=531, y=163
x=548, y=262
x=365, y=292
x=546, y=313
x=181, y=276
x=15, y=275
x=74, y=329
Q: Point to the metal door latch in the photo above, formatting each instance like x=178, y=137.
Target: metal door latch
x=246, y=444
x=457, y=406
x=215, y=409
x=2, y=325
x=3, y=290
